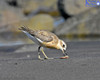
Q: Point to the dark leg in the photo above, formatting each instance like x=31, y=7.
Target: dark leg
x=39, y=53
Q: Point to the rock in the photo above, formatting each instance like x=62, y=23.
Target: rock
x=71, y=7
x=30, y=5
x=36, y=6
x=9, y=14
x=40, y=21
x=51, y=7
x=82, y=25
x=8, y=19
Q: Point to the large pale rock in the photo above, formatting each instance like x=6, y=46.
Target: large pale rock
x=74, y=7
x=41, y=21
x=69, y=8
x=9, y=14
x=30, y=5
x=40, y=6
x=87, y=23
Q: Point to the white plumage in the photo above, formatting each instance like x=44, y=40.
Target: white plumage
x=36, y=40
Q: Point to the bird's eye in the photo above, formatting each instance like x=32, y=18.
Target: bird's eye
x=63, y=45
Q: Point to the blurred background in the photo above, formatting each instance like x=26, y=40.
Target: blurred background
x=71, y=20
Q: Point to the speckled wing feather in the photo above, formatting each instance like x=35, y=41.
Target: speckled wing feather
x=43, y=35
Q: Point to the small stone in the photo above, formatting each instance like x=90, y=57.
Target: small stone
x=28, y=56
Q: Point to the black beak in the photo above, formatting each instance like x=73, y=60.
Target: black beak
x=65, y=53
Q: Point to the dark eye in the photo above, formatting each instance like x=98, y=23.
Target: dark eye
x=63, y=45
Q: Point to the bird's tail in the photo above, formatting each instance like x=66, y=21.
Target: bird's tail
x=24, y=28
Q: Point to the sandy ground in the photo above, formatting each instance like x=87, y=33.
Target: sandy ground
x=21, y=63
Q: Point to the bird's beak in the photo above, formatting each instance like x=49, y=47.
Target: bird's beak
x=64, y=51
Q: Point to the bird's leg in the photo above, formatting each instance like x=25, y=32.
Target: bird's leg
x=46, y=57
x=44, y=53
x=39, y=57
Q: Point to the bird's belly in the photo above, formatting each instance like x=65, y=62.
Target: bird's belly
x=50, y=45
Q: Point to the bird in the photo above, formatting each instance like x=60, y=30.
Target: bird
x=46, y=39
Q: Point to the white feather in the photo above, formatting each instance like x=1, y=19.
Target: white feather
x=36, y=40
x=39, y=40
x=59, y=45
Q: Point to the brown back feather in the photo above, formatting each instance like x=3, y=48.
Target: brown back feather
x=43, y=35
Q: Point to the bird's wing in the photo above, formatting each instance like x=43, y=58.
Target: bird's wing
x=43, y=35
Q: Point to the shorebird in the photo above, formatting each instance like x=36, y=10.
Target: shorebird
x=45, y=39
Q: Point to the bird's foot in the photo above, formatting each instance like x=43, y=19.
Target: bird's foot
x=48, y=58
x=40, y=58
x=44, y=58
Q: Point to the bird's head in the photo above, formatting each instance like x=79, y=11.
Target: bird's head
x=62, y=46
